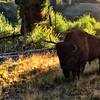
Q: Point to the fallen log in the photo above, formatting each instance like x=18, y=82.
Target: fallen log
x=16, y=55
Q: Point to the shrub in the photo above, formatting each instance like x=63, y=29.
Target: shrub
x=40, y=34
x=86, y=23
x=62, y=24
x=6, y=0
x=6, y=28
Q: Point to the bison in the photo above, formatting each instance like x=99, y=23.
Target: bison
x=70, y=59
x=88, y=44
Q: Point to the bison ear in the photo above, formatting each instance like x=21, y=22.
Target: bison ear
x=75, y=48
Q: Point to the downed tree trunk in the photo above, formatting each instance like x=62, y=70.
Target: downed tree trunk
x=15, y=55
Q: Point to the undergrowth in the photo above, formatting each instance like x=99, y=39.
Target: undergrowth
x=43, y=32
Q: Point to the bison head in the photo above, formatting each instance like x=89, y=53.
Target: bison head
x=68, y=56
x=66, y=51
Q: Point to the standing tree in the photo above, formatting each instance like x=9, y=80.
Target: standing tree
x=30, y=13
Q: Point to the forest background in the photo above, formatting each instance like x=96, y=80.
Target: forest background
x=10, y=23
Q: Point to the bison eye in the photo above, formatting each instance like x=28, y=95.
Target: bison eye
x=75, y=48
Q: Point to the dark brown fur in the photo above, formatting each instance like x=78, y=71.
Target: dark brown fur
x=69, y=57
x=88, y=44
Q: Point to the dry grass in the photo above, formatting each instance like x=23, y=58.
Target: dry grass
x=39, y=77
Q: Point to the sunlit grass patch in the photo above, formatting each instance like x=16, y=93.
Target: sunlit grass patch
x=40, y=77
x=35, y=72
x=40, y=63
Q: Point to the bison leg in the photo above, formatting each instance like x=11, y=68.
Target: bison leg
x=66, y=73
x=89, y=62
x=78, y=74
x=82, y=67
x=73, y=75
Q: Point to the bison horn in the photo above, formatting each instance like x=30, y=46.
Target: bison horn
x=75, y=48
